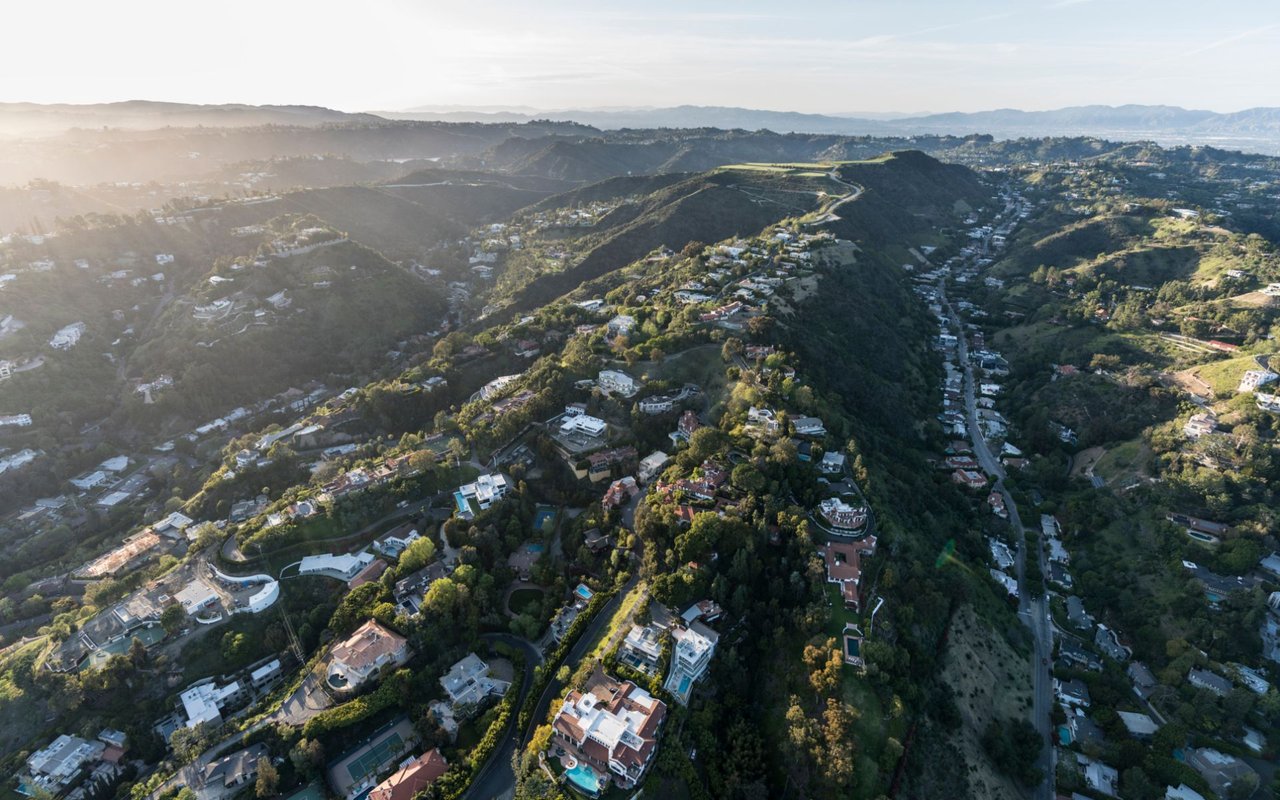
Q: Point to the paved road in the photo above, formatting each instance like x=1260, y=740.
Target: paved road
x=1033, y=610
x=497, y=778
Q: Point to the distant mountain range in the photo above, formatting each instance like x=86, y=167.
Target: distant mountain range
x=1251, y=129
x=28, y=119
x=1166, y=124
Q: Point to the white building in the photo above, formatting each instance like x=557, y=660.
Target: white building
x=693, y=649
x=762, y=419
x=58, y=765
x=617, y=382
x=15, y=420
x=196, y=597
x=468, y=683
x=89, y=481
x=1200, y=425
x=583, y=423
x=621, y=325
x=204, y=702
x=344, y=566
x=653, y=464
x=486, y=490
x=1254, y=378
x=68, y=337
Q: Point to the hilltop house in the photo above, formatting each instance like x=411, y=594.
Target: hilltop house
x=55, y=767
x=684, y=428
x=229, y=772
x=652, y=465
x=1200, y=425
x=365, y=654
x=809, y=426
x=1254, y=378
x=762, y=420
x=611, y=726
x=205, y=701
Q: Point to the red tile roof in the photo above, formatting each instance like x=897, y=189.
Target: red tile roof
x=416, y=776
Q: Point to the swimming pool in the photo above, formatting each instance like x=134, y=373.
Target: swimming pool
x=584, y=778
x=536, y=548
x=463, y=506
x=583, y=592
x=684, y=685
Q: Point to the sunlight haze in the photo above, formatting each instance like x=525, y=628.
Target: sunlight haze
x=829, y=57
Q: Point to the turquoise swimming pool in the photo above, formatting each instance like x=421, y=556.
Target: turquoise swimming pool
x=684, y=685
x=584, y=778
x=583, y=592
x=463, y=506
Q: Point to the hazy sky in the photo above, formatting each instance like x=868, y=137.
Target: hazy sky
x=852, y=55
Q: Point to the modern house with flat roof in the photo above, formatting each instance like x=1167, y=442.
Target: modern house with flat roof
x=57, y=766
x=468, y=682
x=691, y=654
x=487, y=490
x=203, y=703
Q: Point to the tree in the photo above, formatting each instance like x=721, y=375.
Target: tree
x=173, y=618
x=416, y=556
x=307, y=756
x=747, y=478
x=268, y=779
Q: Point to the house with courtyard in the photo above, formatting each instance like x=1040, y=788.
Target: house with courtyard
x=844, y=567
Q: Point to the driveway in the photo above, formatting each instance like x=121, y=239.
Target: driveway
x=308, y=700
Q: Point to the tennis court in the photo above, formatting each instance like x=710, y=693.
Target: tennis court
x=543, y=517
x=376, y=757
x=358, y=768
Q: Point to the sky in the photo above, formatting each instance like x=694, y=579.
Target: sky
x=835, y=56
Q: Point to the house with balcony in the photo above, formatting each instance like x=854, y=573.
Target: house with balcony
x=691, y=653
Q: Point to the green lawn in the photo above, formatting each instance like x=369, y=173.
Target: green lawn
x=1224, y=376
x=839, y=614
x=1124, y=461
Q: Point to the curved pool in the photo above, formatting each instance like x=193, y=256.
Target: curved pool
x=584, y=778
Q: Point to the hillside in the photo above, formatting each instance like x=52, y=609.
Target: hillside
x=702, y=208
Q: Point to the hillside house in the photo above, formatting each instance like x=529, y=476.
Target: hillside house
x=612, y=727
x=364, y=655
